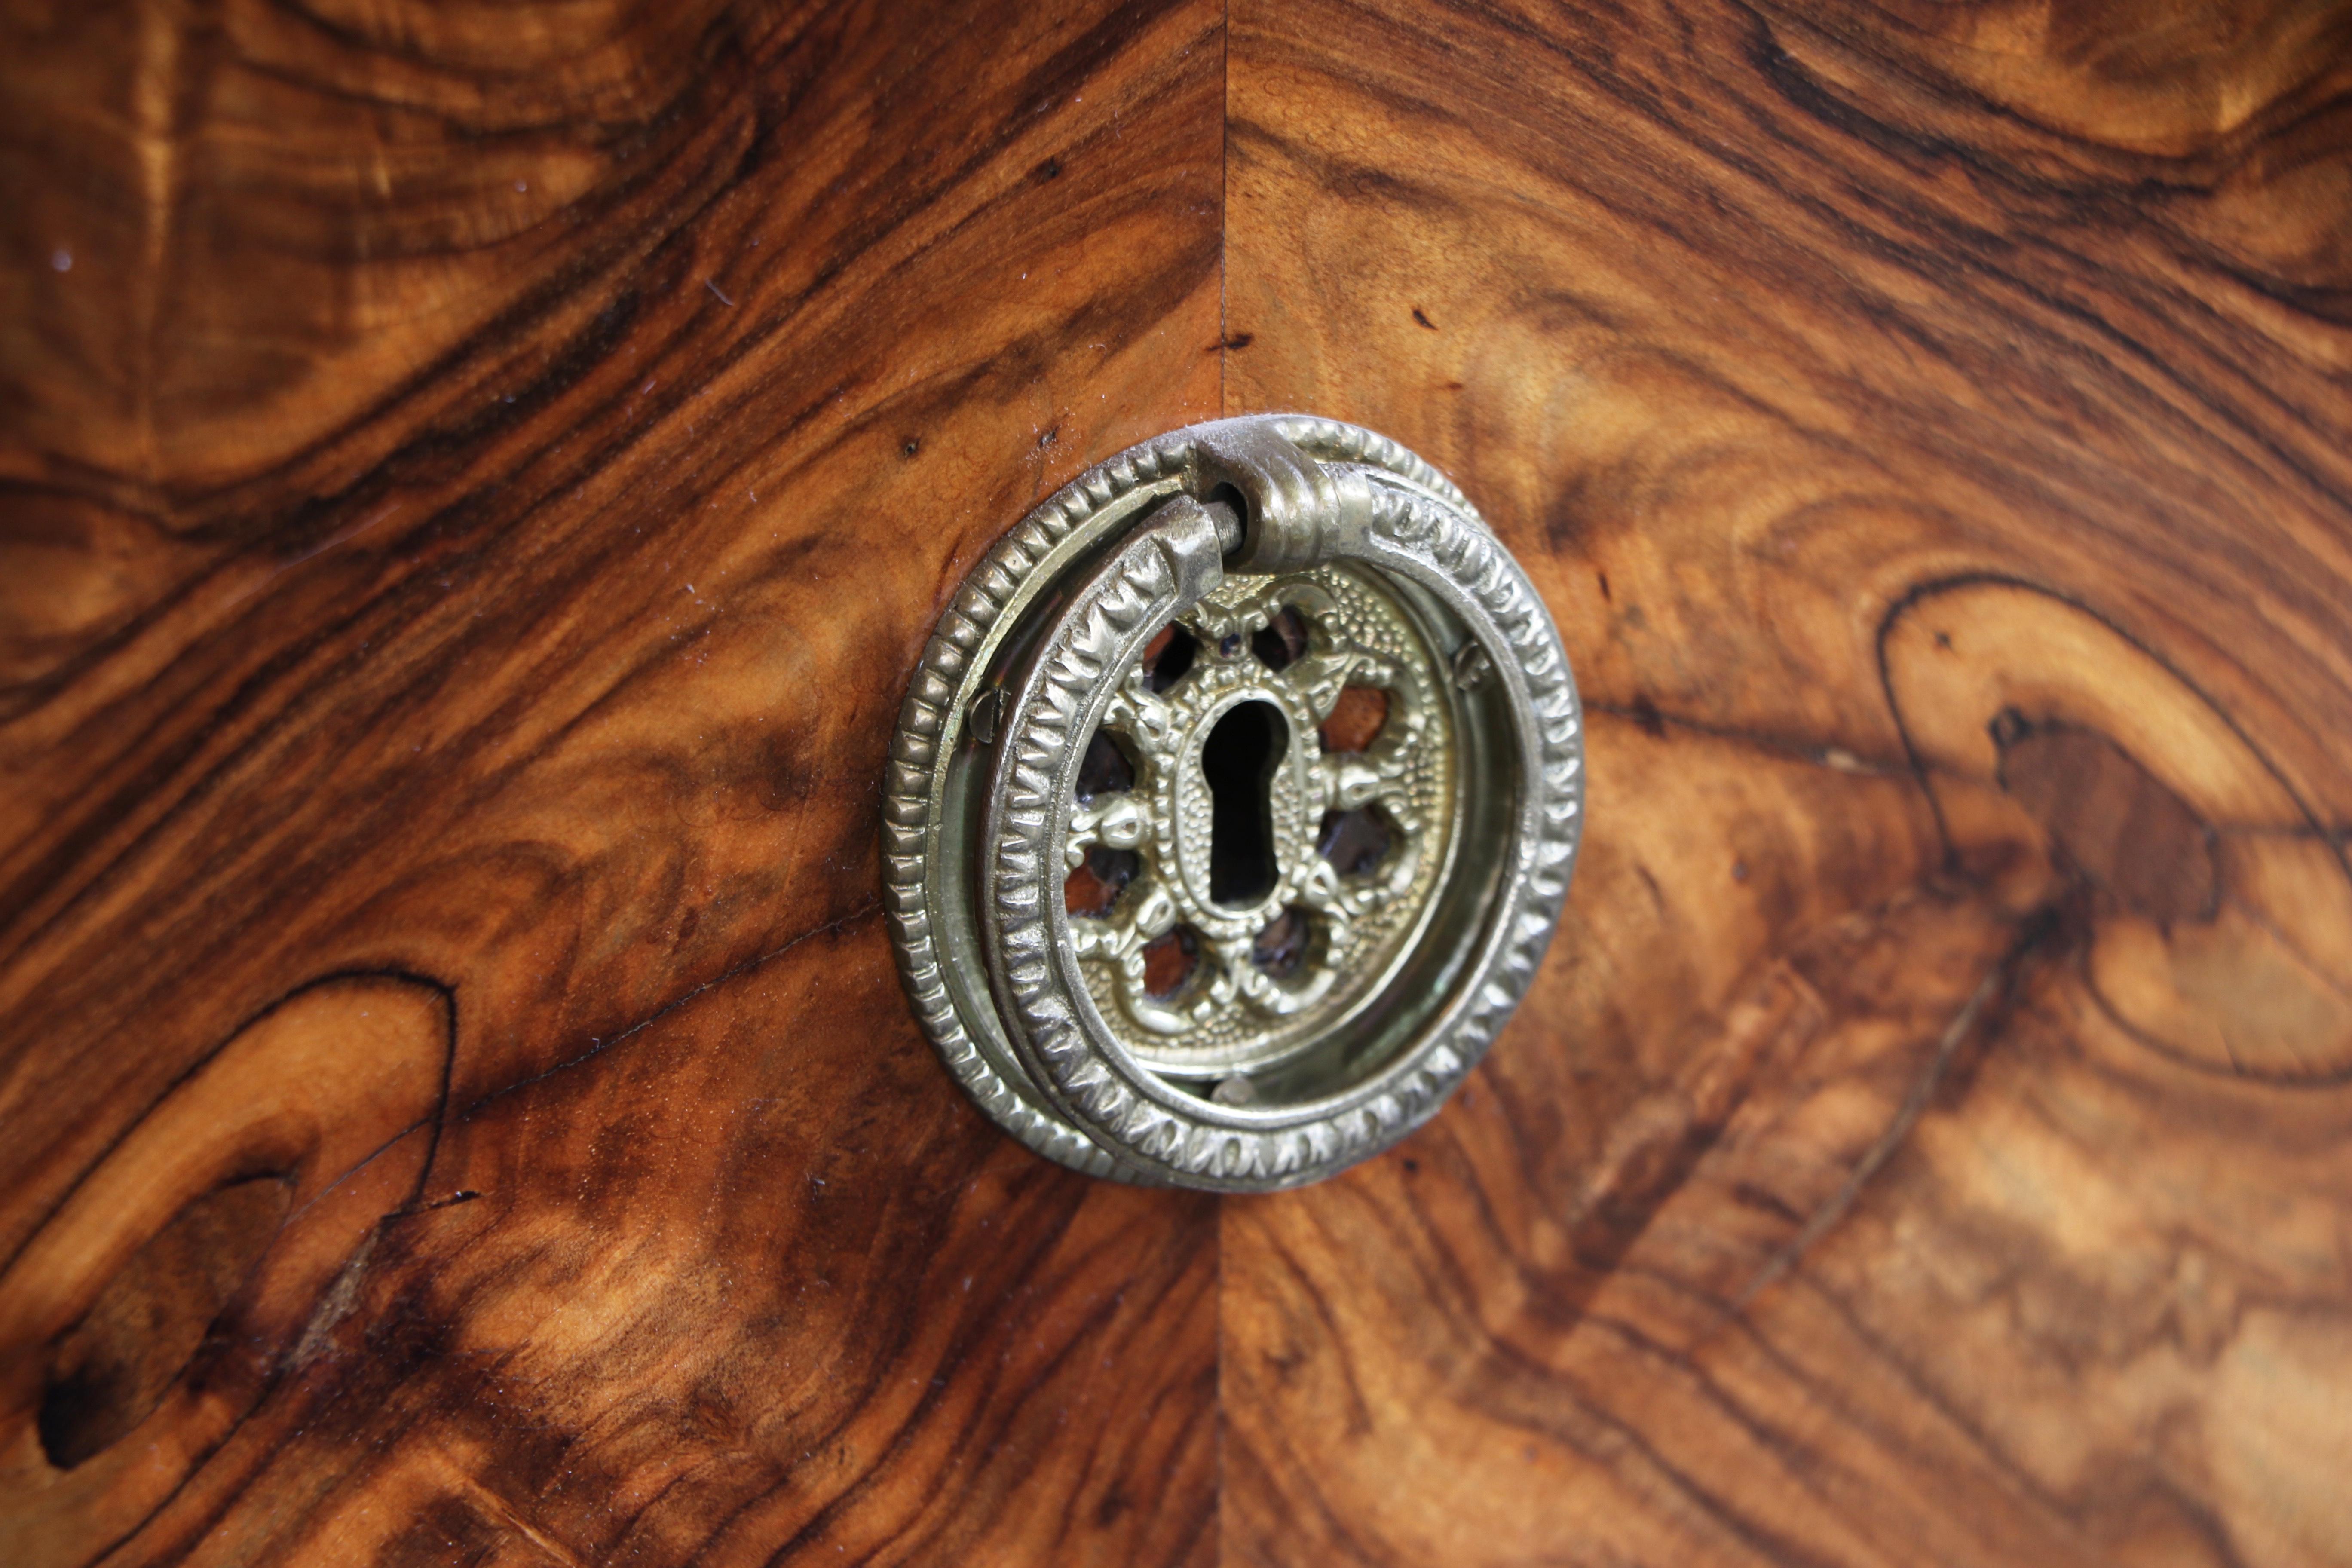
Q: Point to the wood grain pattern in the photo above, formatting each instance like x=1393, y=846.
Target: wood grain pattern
x=475, y=479
x=1931, y=1139
x=473, y=482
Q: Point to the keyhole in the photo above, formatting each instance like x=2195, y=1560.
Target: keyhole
x=1239, y=758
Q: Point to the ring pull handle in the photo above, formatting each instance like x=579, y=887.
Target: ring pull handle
x=1260, y=789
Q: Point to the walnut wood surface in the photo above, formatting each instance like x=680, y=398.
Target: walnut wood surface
x=1931, y=1139
x=473, y=482
x=476, y=479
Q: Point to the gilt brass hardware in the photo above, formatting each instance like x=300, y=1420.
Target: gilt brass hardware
x=1233, y=806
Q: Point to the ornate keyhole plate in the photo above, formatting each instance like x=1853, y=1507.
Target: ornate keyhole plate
x=1233, y=807
x=1358, y=795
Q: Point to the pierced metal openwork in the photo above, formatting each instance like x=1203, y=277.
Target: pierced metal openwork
x=1262, y=820
x=1233, y=807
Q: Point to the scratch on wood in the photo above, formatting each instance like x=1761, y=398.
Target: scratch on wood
x=1923, y=1090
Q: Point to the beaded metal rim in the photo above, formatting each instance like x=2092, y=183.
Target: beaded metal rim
x=1047, y=1080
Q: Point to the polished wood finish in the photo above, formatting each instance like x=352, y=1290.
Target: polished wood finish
x=476, y=482
x=1931, y=1139
x=473, y=482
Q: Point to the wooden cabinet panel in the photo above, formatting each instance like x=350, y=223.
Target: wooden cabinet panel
x=505, y=595
x=1929, y=1141
x=474, y=483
